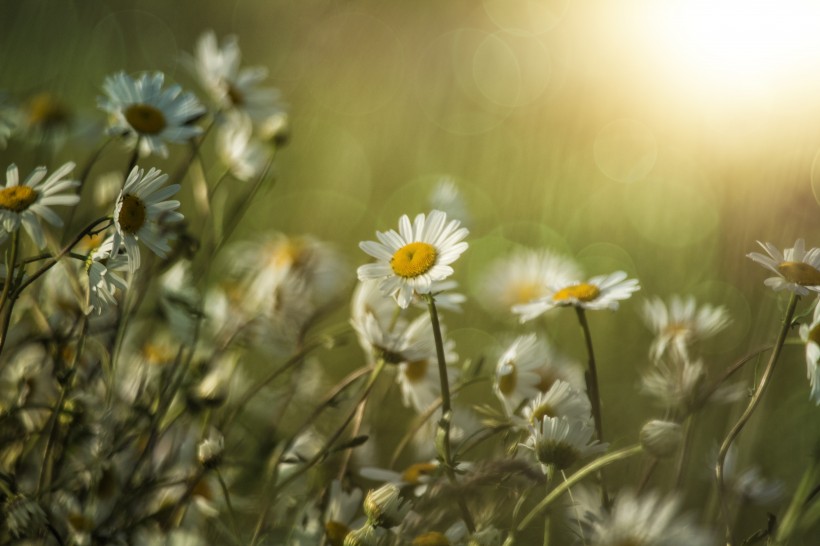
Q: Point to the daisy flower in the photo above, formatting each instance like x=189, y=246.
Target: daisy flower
x=447, y=197
x=810, y=334
x=601, y=292
x=219, y=73
x=681, y=323
x=410, y=261
x=797, y=270
x=560, y=443
x=525, y=276
x=342, y=510
x=27, y=202
x=530, y=366
x=139, y=212
x=104, y=279
x=643, y=521
x=142, y=110
x=244, y=155
x=561, y=400
x=418, y=378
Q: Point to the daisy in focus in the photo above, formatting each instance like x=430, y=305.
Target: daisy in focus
x=797, y=269
x=231, y=87
x=141, y=209
x=810, y=334
x=601, y=292
x=680, y=323
x=411, y=260
x=525, y=276
x=143, y=111
x=23, y=204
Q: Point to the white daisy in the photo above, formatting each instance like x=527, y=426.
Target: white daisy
x=530, y=366
x=104, y=280
x=681, y=323
x=24, y=203
x=559, y=442
x=810, y=334
x=231, y=87
x=419, y=378
x=561, y=400
x=341, y=514
x=242, y=153
x=681, y=384
x=410, y=261
x=445, y=296
x=643, y=521
x=142, y=110
x=447, y=197
x=797, y=270
x=525, y=276
x=141, y=210
x=601, y=292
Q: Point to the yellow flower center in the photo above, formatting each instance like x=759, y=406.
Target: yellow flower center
x=416, y=371
x=17, y=198
x=132, y=214
x=290, y=253
x=413, y=259
x=578, y=292
x=508, y=381
x=558, y=454
x=413, y=473
x=235, y=95
x=145, y=119
x=799, y=273
x=433, y=538
x=45, y=111
x=538, y=414
x=524, y=292
x=547, y=378
x=336, y=532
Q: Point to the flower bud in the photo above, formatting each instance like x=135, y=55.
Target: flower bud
x=384, y=507
x=210, y=449
x=661, y=438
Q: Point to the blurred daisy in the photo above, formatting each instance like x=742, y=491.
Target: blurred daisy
x=27, y=202
x=748, y=483
x=140, y=211
x=561, y=400
x=447, y=197
x=810, y=334
x=797, y=270
x=218, y=71
x=445, y=296
x=417, y=475
x=104, y=279
x=7, y=122
x=559, y=442
x=601, y=292
x=530, y=366
x=244, y=155
x=525, y=276
x=419, y=378
x=679, y=383
x=341, y=513
x=643, y=521
x=141, y=109
x=410, y=261
x=681, y=323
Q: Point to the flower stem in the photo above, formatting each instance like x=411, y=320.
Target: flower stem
x=443, y=435
x=747, y=413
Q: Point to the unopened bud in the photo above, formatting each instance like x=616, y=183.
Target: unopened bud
x=384, y=507
x=661, y=438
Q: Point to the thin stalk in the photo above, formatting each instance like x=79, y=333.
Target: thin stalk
x=747, y=413
x=11, y=265
x=443, y=436
x=683, y=457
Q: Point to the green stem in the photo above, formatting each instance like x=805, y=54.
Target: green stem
x=747, y=413
x=11, y=265
x=443, y=436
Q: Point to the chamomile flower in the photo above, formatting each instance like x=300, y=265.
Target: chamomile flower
x=419, y=379
x=797, y=269
x=23, y=204
x=447, y=197
x=524, y=276
x=244, y=155
x=643, y=521
x=140, y=211
x=231, y=87
x=810, y=334
x=411, y=260
x=142, y=110
x=559, y=442
x=681, y=323
x=341, y=514
x=104, y=279
x=530, y=366
x=561, y=400
x=601, y=292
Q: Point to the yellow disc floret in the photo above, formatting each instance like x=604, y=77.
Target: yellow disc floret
x=577, y=292
x=416, y=371
x=508, y=381
x=413, y=259
x=336, y=532
x=800, y=273
x=433, y=538
x=132, y=214
x=17, y=198
x=413, y=473
x=145, y=119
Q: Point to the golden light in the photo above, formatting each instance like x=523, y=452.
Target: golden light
x=738, y=49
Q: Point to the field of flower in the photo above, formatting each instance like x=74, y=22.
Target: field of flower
x=281, y=272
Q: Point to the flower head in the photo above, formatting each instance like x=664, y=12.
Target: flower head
x=797, y=270
x=601, y=292
x=810, y=334
x=140, y=211
x=680, y=323
x=25, y=203
x=104, y=280
x=142, y=110
x=560, y=442
x=411, y=260
x=244, y=155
